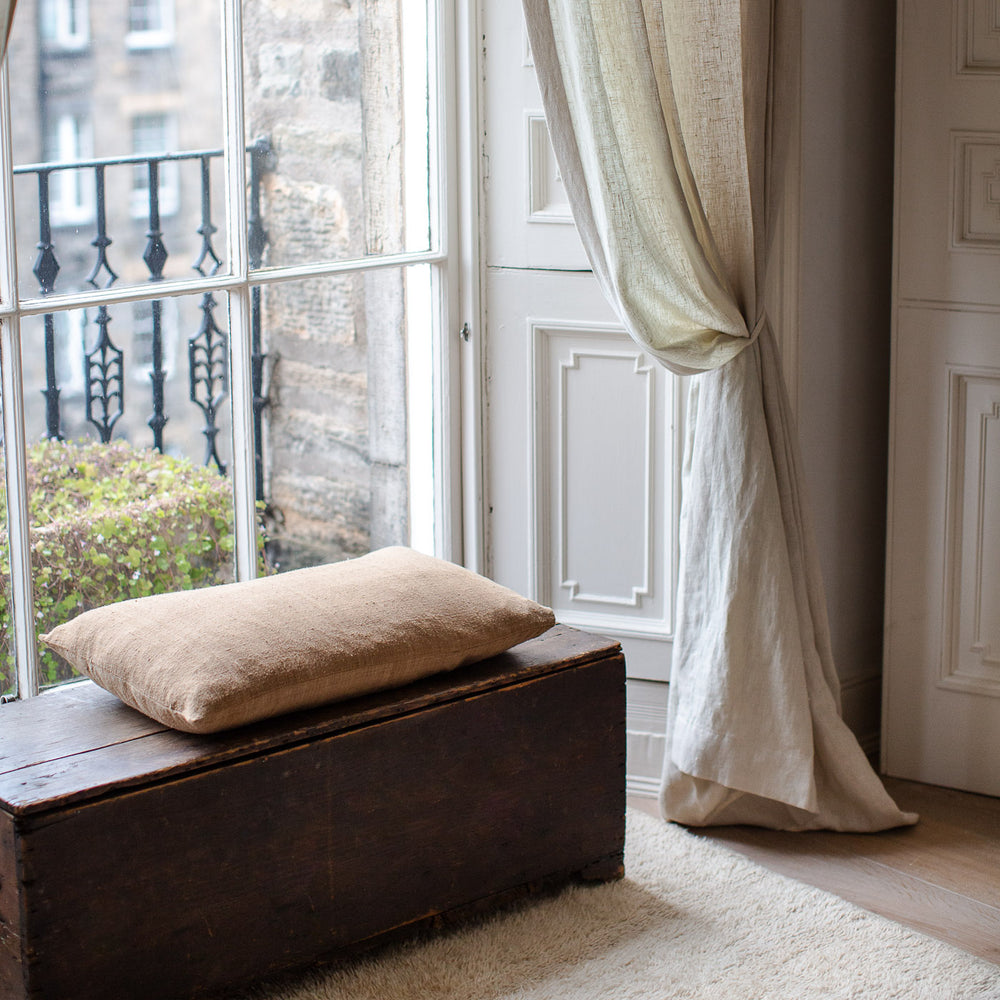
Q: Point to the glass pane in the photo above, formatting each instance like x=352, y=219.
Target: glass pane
x=112, y=518
x=338, y=94
x=334, y=439
x=100, y=82
x=88, y=373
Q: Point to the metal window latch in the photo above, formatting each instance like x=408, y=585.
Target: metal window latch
x=465, y=332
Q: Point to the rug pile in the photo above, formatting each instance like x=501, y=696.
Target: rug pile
x=690, y=920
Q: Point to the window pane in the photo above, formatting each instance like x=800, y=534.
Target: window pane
x=106, y=100
x=116, y=519
x=339, y=93
x=334, y=434
x=114, y=349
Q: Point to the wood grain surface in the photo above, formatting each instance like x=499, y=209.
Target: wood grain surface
x=174, y=865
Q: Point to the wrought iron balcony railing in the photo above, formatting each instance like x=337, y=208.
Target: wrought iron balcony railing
x=207, y=349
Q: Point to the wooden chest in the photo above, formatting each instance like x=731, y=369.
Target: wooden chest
x=140, y=862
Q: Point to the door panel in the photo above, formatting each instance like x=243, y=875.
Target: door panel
x=942, y=673
x=948, y=188
x=943, y=676
x=581, y=428
x=529, y=220
x=582, y=462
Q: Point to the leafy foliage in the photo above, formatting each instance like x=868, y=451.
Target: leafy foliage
x=111, y=522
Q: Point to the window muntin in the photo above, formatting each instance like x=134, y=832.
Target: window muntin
x=227, y=288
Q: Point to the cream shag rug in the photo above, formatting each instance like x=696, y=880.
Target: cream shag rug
x=690, y=920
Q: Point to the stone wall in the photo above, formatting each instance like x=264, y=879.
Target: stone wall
x=323, y=87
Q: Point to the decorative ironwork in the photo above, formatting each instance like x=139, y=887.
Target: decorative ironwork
x=155, y=254
x=46, y=270
x=157, y=376
x=102, y=241
x=106, y=373
x=207, y=229
x=208, y=374
x=156, y=259
x=104, y=381
x=260, y=161
x=260, y=401
x=51, y=390
x=46, y=266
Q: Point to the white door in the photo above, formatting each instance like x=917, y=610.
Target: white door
x=942, y=680
x=581, y=428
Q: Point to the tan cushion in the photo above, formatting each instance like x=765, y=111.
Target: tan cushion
x=204, y=660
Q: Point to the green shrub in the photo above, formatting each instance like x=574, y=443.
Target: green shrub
x=111, y=522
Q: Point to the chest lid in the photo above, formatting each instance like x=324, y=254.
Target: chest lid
x=77, y=743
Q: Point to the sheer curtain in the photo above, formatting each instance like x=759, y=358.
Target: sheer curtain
x=667, y=121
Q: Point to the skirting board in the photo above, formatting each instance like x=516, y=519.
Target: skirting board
x=645, y=729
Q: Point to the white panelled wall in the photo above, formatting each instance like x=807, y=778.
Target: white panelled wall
x=942, y=690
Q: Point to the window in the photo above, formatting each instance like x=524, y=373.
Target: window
x=64, y=25
x=299, y=273
x=150, y=24
x=153, y=135
x=68, y=139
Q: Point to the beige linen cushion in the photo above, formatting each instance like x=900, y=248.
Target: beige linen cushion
x=211, y=659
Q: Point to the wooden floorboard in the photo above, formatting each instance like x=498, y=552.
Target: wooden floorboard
x=941, y=877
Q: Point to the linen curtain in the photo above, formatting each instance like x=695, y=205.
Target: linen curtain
x=6, y=18
x=667, y=121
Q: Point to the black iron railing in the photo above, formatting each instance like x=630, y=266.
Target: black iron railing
x=207, y=354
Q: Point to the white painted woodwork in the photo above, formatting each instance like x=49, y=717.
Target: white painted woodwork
x=529, y=223
x=941, y=707
x=583, y=456
x=581, y=428
x=646, y=733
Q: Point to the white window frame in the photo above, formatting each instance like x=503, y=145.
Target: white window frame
x=153, y=38
x=65, y=24
x=453, y=255
x=71, y=198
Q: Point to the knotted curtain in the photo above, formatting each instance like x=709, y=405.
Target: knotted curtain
x=669, y=128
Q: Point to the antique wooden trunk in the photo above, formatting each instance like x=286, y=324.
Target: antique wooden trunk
x=140, y=862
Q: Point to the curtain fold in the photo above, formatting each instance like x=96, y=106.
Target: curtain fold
x=668, y=123
x=6, y=19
